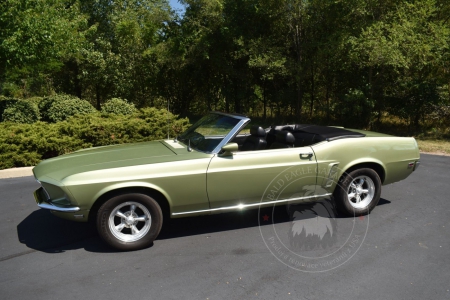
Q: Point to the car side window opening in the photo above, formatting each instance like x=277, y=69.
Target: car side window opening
x=208, y=132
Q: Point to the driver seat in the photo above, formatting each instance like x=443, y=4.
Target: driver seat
x=256, y=140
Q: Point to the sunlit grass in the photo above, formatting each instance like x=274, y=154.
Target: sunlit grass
x=434, y=146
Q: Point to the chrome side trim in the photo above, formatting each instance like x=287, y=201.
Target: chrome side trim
x=242, y=206
x=57, y=208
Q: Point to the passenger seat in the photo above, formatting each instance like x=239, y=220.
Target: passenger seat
x=256, y=140
x=285, y=139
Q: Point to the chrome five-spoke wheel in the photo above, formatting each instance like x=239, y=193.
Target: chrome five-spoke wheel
x=360, y=191
x=129, y=221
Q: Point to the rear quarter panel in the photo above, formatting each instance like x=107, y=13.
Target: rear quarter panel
x=392, y=153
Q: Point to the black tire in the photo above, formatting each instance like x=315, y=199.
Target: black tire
x=129, y=221
x=358, y=192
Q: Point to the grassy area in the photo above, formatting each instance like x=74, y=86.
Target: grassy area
x=434, y=146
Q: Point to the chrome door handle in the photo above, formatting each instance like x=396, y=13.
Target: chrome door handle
x=306, y=155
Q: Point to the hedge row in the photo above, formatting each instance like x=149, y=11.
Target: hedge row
x=56, y=108
x=26, y=144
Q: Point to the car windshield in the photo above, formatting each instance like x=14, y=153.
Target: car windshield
x=208, y=132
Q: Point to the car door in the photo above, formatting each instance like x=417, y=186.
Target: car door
x=247, y=178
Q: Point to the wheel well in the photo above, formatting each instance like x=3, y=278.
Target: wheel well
x=158, y=196
x=374, y=166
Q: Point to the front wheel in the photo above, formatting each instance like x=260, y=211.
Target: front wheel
x=129, y=221
x=358, y=192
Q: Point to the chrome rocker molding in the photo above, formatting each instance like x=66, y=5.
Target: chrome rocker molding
x=242, y=206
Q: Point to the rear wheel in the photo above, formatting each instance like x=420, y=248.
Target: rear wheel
x=358, y=192
x=129, y=221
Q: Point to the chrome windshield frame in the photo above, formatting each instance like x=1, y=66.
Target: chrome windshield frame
x=243, y=120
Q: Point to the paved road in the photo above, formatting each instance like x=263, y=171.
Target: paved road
x=405, y=253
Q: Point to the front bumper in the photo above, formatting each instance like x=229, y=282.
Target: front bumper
x=42, y=202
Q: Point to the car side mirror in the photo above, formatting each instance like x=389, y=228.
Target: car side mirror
x=229, y=148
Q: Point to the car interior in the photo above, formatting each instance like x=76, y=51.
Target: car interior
x=290, y=136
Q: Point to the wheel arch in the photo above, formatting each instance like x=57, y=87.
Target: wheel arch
x=377, y=167
x=159, y=197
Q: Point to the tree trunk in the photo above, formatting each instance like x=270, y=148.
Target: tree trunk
x=327, y=98
x=237, y=102
x=97, y=94
x=77, y=80
x=311, y=108
x=265, y=102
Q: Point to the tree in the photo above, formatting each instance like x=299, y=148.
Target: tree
x=36, y=37
x=410, y=46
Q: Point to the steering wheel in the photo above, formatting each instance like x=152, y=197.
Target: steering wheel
x=196, y=138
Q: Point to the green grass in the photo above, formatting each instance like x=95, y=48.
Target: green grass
x=434, y=146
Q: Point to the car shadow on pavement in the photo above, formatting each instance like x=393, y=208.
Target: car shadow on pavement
x=44, y=232
x=383, y=201
x=241, y=219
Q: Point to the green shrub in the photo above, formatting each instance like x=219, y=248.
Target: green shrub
x=5, y=103
x=61, y=109
x=35, y=100
x=146, y=125
x=118, y=106
x=27, y=144
x=21, y=111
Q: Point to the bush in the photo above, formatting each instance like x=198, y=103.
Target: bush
x=27, y=144
x=5, y=103
x=21, y=111
x=60, y=107
x=118, y=106
x=353, y=109
x=160, y=122
x=46, y=103
x=35, y=100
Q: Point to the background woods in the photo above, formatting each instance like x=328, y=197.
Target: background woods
x=353, y=63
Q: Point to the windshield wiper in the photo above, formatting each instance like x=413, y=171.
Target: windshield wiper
x=183, y=140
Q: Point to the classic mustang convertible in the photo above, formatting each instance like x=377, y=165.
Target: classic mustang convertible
x=213, y=167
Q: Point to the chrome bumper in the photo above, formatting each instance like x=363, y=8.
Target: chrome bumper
x=39, y=197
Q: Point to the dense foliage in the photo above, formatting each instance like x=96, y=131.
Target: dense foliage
x=22, y=111
x=350, y=62
x=27, y=144
x=61, y=110
x=118, y=106
x=18, y=110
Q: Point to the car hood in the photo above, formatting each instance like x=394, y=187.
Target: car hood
x=105, y=157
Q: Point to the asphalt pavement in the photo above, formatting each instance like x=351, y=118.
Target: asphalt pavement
x=403, y=254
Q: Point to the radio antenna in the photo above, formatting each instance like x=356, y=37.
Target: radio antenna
x=168, y=122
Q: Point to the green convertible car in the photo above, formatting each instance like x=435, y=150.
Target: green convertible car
x=219, y=165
